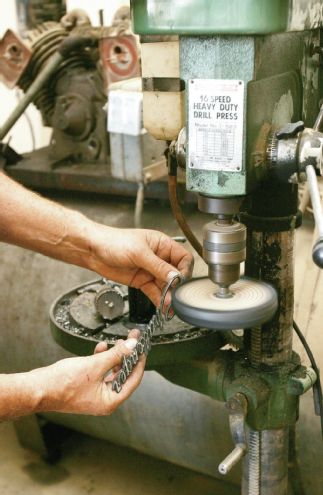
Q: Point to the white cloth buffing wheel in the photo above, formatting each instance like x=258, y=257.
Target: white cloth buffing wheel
x=253, y=302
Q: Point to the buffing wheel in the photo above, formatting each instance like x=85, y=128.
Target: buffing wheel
x=253, y=302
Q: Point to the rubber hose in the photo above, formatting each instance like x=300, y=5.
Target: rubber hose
x=179, y=216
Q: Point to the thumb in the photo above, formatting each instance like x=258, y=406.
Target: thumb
x=107, y=360
x=159, y=268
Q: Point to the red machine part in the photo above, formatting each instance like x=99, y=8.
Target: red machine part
x=14, y=58
x=120, y=58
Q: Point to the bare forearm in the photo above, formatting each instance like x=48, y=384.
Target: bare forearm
x=20, y=394
x=140, y=258
x=33, y=222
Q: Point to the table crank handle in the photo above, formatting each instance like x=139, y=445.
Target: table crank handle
x=237, y=406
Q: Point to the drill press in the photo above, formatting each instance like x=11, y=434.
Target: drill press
x=244, y=79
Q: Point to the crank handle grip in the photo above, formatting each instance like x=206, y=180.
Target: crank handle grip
x=232, y=459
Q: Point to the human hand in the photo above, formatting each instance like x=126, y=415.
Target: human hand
x=144, y=259
x=83, y=385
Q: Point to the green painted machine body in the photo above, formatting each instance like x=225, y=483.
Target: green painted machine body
x=274, y=95
x=267, y=44
x=273, y=397
x=207, y=17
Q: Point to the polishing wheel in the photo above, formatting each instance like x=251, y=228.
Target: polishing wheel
x=252, y=303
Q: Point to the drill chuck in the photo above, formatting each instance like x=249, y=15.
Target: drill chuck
x=224, y=248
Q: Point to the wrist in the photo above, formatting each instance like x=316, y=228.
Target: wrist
x=20, y=394
x=46, y=390
x=77, y=243
x=100, y=239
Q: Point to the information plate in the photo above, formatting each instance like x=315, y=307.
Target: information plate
x=216, y=124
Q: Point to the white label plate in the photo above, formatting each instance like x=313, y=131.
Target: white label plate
x=125, y=112
x=216, y=124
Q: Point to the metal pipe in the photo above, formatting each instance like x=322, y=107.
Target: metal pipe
x=38, y=83
x=139, y=205
x=315, y=198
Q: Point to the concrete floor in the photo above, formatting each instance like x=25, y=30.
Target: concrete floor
x=94, y=467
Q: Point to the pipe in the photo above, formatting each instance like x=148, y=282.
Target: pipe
x=40, y=80
x=315, y=198
x=139, y=205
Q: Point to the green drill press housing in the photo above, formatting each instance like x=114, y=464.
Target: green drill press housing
x=201, y=17
x=272, y=55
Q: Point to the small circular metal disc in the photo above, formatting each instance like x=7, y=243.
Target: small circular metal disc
x=253, y=302
x=109, y=303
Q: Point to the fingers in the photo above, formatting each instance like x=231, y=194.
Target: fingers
x=132, y=382
x=134, y=334
x=101, y=347
x=186, y=265
x=107, y=360
x=165, y=257
x=151, y=290
x=181, y=258
x=155, y=265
